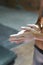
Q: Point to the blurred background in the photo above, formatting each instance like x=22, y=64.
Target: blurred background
x=25, y=4
x=13, y=15
x=17, y=13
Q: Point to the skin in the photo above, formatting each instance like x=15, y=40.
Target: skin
x=38, y=42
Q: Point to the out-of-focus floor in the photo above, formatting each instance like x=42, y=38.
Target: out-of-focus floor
x=15, y=19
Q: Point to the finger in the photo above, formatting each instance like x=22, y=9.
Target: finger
x=33, y=25
x=26, y=28
x=19, y=41
x=16, y=40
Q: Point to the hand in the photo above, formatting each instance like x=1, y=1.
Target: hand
x=17, y=37
x=25, y=32
x=20, y=36
x=37, y=35
x=33, y=26
x=13, y=39
x=35, y=30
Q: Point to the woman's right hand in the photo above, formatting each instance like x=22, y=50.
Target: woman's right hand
x=20, y=36
x=25, y=30
x=13, y=39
